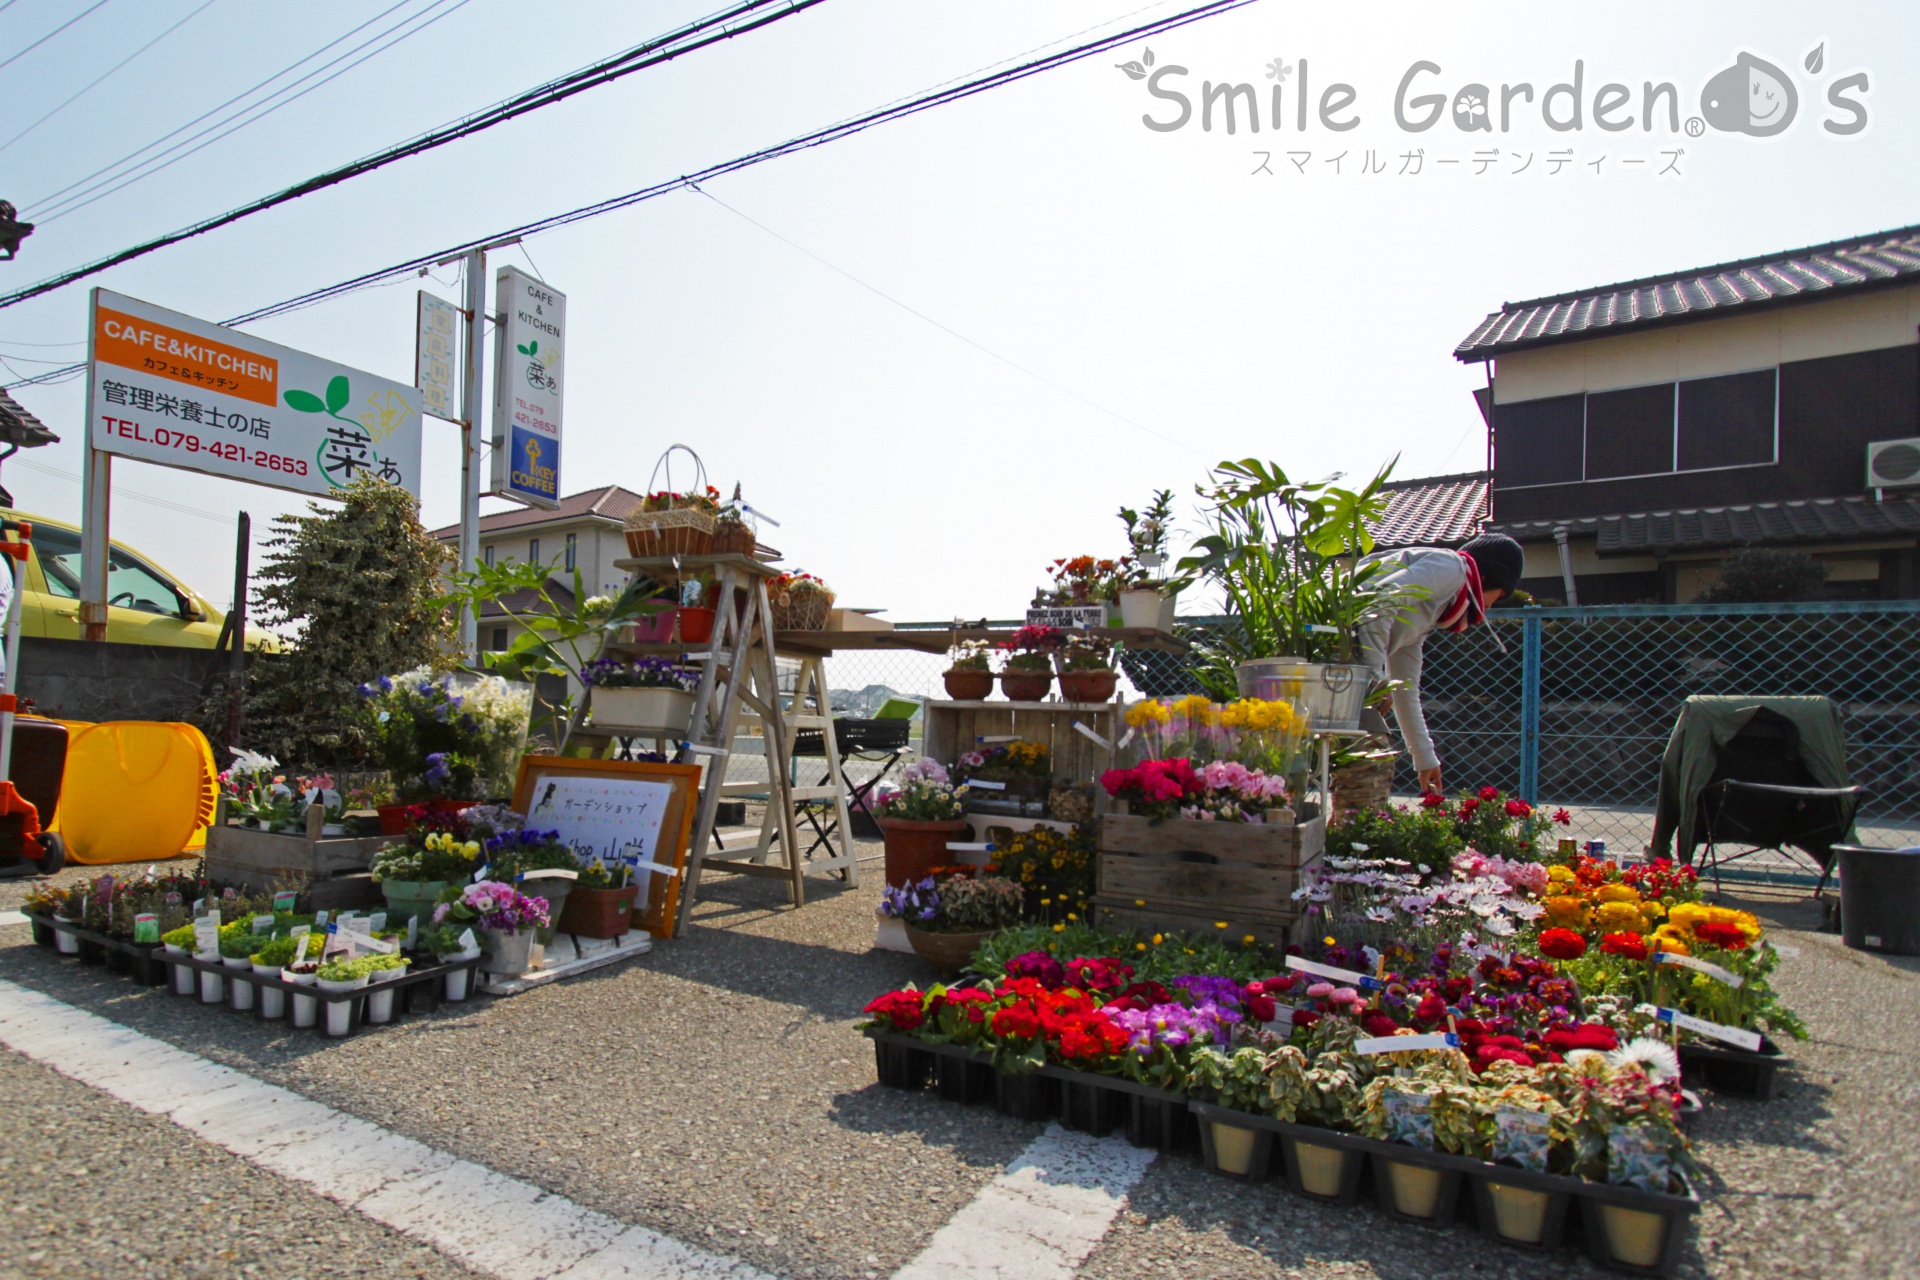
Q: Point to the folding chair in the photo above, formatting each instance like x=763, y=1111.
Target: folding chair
x=1762, y=796
x=881, y=739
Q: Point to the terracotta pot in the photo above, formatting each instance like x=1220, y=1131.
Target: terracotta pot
x=696, y=625
x=916, y=848
x=1088, y=686
x=1025, y=686
x=598, y=913
x=946, y=951
x=968, y=686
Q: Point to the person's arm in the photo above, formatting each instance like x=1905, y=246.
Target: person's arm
x=1403, y=664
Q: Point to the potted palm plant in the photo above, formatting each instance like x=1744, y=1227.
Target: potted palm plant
x=1288, y=559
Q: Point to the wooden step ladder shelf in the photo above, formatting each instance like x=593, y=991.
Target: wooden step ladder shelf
x=740, y=682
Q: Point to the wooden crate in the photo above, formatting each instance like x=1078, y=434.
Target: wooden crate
x=952, y=728
x=1181, y=876
x=334, y=867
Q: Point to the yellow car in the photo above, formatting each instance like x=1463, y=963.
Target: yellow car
x=145, y=604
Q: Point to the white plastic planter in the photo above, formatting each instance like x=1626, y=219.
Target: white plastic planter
x=380, y=1003
x=213, y=987
x=668, y=710
x=273, y=1001
x=339, y=1012
x=460, y=982
x=1140, y=607
x=240, y=994
x=182, y=974
x=304, y=1009
x=67, y=944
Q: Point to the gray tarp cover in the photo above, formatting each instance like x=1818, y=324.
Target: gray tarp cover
x=1707, y=724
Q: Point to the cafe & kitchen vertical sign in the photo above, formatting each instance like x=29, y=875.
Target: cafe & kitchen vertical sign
x=529, y=388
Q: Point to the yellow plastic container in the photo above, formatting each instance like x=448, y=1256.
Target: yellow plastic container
x=136, y=791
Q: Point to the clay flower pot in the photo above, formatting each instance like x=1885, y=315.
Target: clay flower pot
x=1025, y=686
x=598, y=913
x=1088, y=686
x=946, y=952
x=915, y=848
x=964, y=685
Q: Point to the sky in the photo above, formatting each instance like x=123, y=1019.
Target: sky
x=943, y=352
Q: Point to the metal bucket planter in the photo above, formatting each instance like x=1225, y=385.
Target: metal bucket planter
x=1332, y=693
x=508, y=954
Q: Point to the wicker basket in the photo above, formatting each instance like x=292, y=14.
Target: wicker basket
x=803, y=611
x=683, y=531
x=733, y=539
x=1364, y=785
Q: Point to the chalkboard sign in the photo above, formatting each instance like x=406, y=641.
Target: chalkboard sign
x=619, y=812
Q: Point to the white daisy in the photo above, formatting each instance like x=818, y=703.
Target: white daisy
x=1655, y=1057
x=1589, y=1062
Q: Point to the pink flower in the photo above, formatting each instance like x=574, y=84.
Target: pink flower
x=1319, y=990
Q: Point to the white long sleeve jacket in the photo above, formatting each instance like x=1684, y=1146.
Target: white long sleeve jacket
x=1427, y=581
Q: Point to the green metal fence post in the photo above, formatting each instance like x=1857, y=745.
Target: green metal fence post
x=1530, y=710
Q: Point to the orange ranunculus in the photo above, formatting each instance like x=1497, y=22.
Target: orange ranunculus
x=1567, y=913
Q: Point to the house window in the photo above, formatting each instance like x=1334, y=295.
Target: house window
x=1630, y=432
x=1538, y=441
x=498, y=641
x=1727, y=421
x=486, y=553
x=572, y=551
x=533, y=551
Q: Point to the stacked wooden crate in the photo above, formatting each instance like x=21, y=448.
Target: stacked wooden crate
x=1231, y=879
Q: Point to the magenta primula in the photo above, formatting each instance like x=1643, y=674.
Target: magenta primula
x=501, y=909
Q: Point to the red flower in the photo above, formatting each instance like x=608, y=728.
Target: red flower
x=1730, y=937
x=1433, y=800
x=1378, y=1024
x=1017, y=1021
x=1305, y=1017
x=1587, y=1035
x=901, y=1008
x=1519, y=809
x=1562, y=817
x=1430, y=1009
x=1562, y=944
x=1629, y=945
x=1467, y=807
x=1489, y=1053
x=1259, y=1006
x=1489, y=793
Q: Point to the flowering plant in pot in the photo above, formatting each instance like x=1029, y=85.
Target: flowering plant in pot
x=439, y=849
x=507, y=921
x=1147, y=594
x=969, y=677
x=1498, y=824
x=800, y=601
x=1007, y=770
x=947, y=918
x=646, y=693
x=1086, y=669
x=919, y=819
x=601, y=903
x=448, y=735
x=512, y=856
x=695, y=617
x=1081, y=581
x=1027, y=673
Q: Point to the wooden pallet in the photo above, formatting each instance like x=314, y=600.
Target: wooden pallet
x=1227, y=878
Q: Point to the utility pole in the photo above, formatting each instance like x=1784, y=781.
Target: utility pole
x=473, y=410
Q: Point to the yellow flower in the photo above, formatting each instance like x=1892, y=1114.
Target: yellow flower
x=1141, y=714
x=1139, y=902
x=1247, y=941
x=1568, y=913
x=1059, y=928
x=1618, y=917
x=1219, y=924
x=471, y=850
x=1685, y=915
x=1139, y=946
x=1158, y=939
x=1616, y=893
x=1667, y=938
x=1329, y=940
x=1747, y=922
x=1559, y=872
x=1072, y=916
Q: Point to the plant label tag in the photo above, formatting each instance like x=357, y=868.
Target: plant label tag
x=999, y=737
x=300, y=952
x=263, y=924
x=413, y=932
x=383, y=945
x=1699, y=966
x=146, y=927
x=1748, y=1040
x=320, y=920
x=1125, y=738
x=377, y=922
x=1637, y=1157
x=1786, y=949
x=300, y=931
x=1521, y=1136
x=654, y=868
x=481, y=874
x=467, y=941
x=1406, y=1044
x=1347, y=976
x=551, y=873
x=983, y=784
x=287, y=900
x=358, y=926
x=1322, y=629
x=1092, y=737
x=1409, y=1117
x=977, y=846
x=199, y=905
x=206, y=935
x=214, y=915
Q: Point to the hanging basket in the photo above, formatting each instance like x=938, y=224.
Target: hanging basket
x=686, y=527
x=801, y=611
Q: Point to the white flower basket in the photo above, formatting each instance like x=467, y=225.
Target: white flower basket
x=668, y=711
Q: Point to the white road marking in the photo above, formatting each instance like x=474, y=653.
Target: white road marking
x=453, y=1205
x=12, y=917
x=1041, y=1218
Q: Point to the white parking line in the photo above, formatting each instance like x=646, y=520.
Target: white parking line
x=1041, y=1217
x=451, y=1204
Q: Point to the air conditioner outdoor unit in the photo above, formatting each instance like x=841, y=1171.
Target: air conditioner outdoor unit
x=1893, y=464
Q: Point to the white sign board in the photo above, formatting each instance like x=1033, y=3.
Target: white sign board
x=611, y=819
x=433, y=355
x=529, y=387
x=167, y=388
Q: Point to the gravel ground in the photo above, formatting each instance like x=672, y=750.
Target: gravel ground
x=716, y=1091
x=96, y=1188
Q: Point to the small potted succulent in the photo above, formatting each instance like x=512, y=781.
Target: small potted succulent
x=918, y=820
x=514, y=856
x=1086, y=669
x=947, y=919
x=601, y=904
x=1028, y=673
x=653, y=694
x=970, y=678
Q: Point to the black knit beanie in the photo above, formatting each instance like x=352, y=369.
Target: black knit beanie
x=1500, y=559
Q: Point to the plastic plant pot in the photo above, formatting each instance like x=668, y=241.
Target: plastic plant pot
x=900, y=1065
x=339, y=1013
x=303, y=1010
x=458, y=982
x=66, y=943
x=1414, y=1189
x=273, y=1001
x=213, y=987
x=182, y=974
x=1323, y=1168
x=1026, y=1097
x=964, y=1080
x=239, y=992
x=1232, y=1147
x=379, y=1002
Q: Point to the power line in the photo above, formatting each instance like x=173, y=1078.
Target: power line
x=207, y=4
x=831, y=133
x=51, y=34
x=48, y=199
x=121, y=491
x=696, y=35
x=242, y=119
x=944, y=328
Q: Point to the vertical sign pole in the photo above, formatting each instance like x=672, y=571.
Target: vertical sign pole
x=473, y=409
x=1530, y=709
x=236, y=662
x=96, y=481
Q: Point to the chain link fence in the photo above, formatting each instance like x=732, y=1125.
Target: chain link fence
x=1572, y=706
